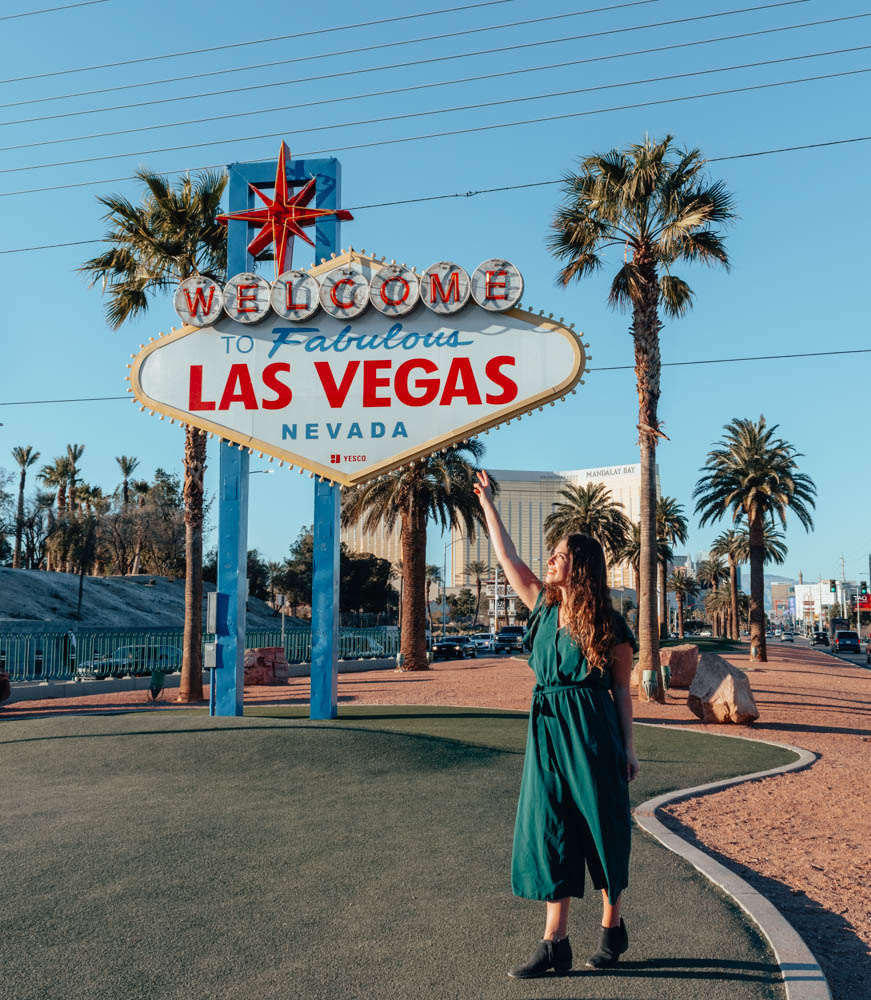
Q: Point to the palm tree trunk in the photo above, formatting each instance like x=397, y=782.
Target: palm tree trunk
x=645, y=332
x=191, y=683
x=412, y=628
x=478, y=600
x=663, y=601
x=757, y=587
x=679, y=615
x=733, y=587
x=19, y=523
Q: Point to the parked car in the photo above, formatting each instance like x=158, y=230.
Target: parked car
x=787, y=637
x=846, y=642
x=454, y=648
x=510, y=637
x=820, y=639
x=485, y=641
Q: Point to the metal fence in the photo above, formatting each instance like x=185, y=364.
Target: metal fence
x=29, y=656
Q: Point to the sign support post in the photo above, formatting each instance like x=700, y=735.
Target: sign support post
x=228, y=678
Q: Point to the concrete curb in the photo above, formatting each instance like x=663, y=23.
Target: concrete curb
x=803, y=979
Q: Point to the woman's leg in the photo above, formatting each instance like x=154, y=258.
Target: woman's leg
x=610, y=911
x=557, y=920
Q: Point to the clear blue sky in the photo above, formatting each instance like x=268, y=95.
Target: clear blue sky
x=799, y=259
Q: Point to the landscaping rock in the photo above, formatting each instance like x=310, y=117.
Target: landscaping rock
x=682, y=661
x=5, y=686
x=266, y=665
x=721, y=693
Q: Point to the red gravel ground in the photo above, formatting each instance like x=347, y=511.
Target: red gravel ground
x=802, y=839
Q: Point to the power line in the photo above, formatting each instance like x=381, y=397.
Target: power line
x=51, y=10
x=465, y=107
x=493, y=190
x=376, y=69
x=428, y=86
x=609, y=368
x=344, y=27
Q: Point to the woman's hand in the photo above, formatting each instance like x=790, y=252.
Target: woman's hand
x=483, y=490
x=632, y=765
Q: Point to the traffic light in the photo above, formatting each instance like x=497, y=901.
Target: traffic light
x=863, y=588
x=832, y=587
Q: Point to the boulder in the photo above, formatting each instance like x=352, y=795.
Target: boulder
x=682, y=661
x=5, y=686
x=266, y=665
x=721, y=693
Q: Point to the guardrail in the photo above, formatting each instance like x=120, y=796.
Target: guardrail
x=29, y=656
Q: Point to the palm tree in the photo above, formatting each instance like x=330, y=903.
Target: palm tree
x=441, y=488
x=74, y=453
x=653, y=202
x=671, y=527
x=718, y=605
x=433, y=575
x=55, y=477
x=774, y=548
x=683, y=585
x=169, y=237
x=754, y=475
x=710, y=572
x=127, y=465
x=589, y=510
x=728, y=545
x=480, y=571
x=25, y=457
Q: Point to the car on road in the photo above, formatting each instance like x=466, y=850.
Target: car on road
x=454, y=648
x=846, y=642
x=485, y=642
x=510, y=637
x=787, y=637
x=820, y=639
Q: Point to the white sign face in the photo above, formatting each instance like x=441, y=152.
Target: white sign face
x=351, y=398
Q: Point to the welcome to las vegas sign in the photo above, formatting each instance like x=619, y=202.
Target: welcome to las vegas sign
x=357, y=366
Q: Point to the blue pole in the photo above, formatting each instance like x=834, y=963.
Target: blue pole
x=323, y=701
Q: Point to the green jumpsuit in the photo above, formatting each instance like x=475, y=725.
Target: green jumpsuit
x=574, y=800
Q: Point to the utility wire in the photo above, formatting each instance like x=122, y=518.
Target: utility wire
x=609, y=368
x=51, y=10
x=344, y=27
x=429, y=135
x=441, y=83
x=376, y=69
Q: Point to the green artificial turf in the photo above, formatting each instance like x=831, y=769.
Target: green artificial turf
x=171, y=855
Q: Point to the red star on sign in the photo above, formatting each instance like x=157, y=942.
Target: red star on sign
x=283, y=218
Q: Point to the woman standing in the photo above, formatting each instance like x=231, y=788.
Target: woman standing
x=573, y=810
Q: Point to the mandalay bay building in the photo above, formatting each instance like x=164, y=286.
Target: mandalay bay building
x=524, y=500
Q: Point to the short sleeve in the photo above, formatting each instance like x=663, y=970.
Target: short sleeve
x=534, y=621
x=622, y=632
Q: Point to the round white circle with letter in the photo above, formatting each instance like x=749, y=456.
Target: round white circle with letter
x=497, y=285
x=394, y=290
x=444, y=287
x=295, y=295
x=246, y=297
x=344, y=292
x=198, y=300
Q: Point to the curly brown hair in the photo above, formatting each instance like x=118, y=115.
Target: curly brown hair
x=589, y=614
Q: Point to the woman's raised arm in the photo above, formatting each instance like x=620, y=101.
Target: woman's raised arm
x=525, y=583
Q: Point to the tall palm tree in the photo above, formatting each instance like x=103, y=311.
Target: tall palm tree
x=718, y=605
x=589, y=510
x=754, y=475
x=683, y=585
x=710, y=572
x=480, y=571
x=170, y=236
x=653, y=202
x=127, y=465
x=441, y=488
x=671, y=527
x=25, y=456
x=727, y=545
x=433, y=575
x=774, y=548
x=74, y=453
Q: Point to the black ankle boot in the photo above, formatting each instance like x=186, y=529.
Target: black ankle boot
x=556, y=955
x=613, y=941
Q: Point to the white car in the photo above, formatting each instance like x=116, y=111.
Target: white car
x=787, y=637
x=485, y=641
